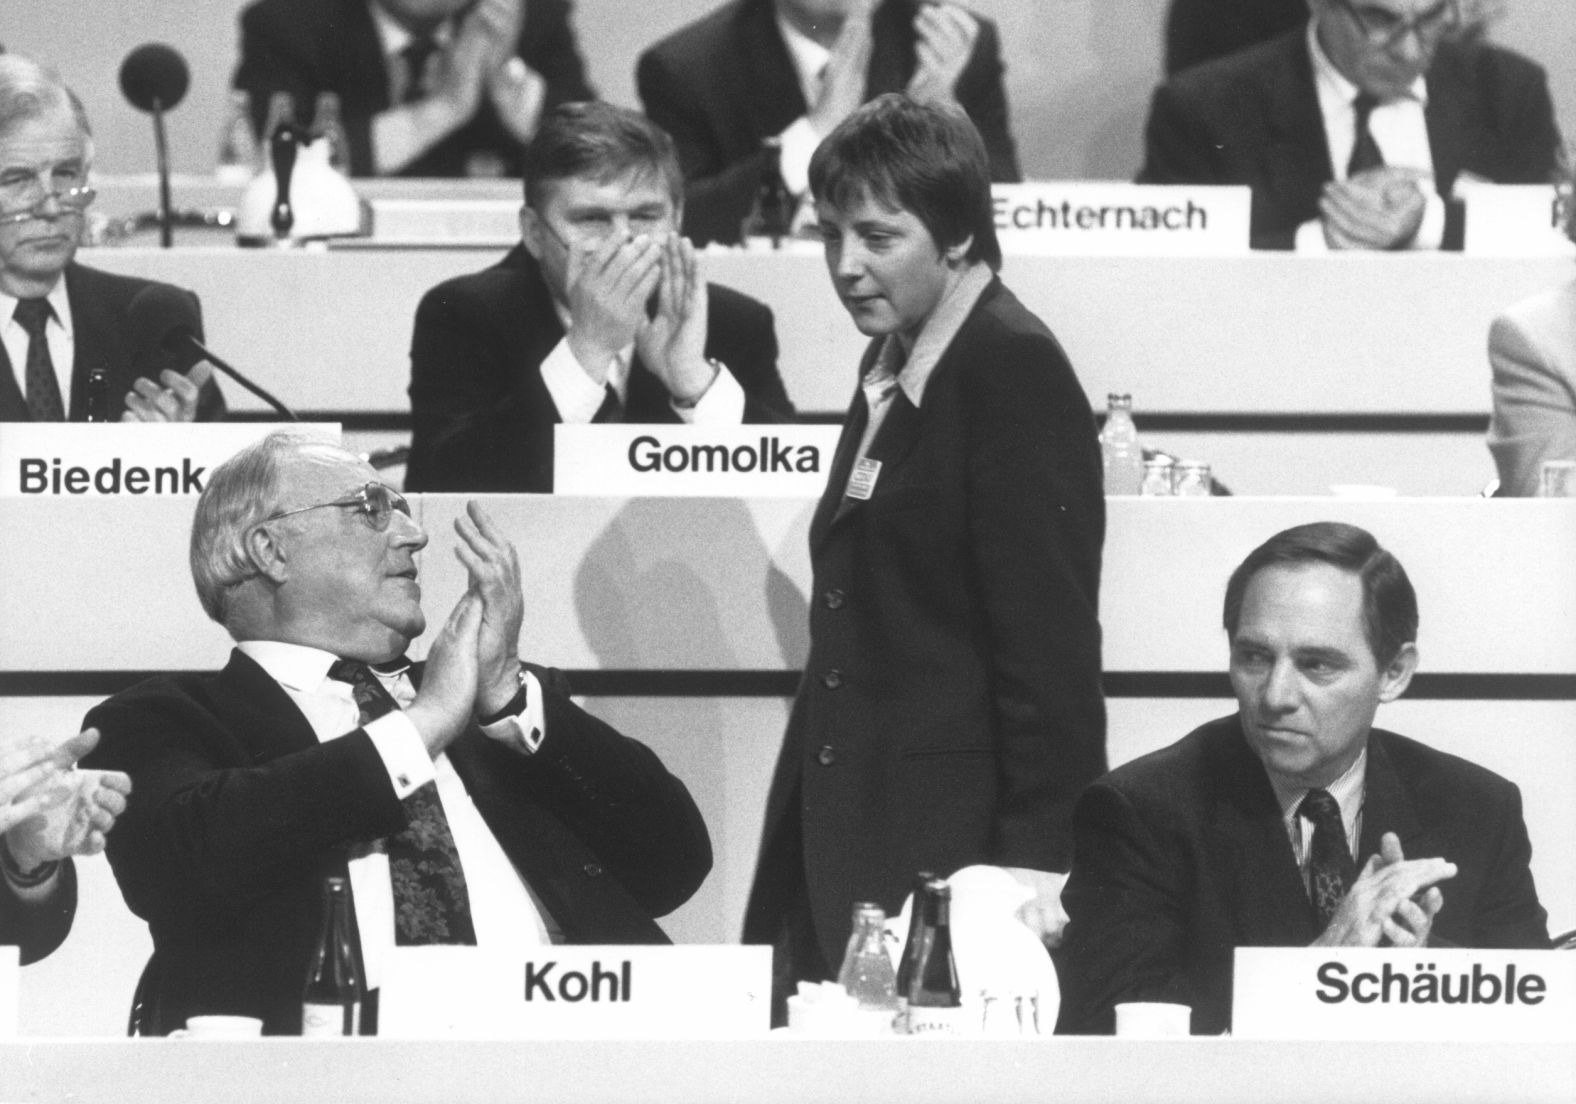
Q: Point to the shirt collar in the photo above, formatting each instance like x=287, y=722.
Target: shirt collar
x=394, y=37
x=808, y=56
x=1335, y=91
x=1347, y=791
x=58, y=299
x=298, y=667
x=934, y=337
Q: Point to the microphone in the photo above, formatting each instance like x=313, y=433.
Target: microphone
x=154, y=78
x=163, y=323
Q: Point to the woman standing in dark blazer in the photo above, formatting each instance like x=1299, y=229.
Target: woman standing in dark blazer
x=950, y=710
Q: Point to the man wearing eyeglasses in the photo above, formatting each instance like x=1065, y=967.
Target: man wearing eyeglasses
x=600, y=314
x=1355, y=131
x=62, y=324
x=466, y=798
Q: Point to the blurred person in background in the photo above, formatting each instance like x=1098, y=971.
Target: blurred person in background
x=426, y=87
x=1532, y=348
x=1354, y=129
x=793, y=69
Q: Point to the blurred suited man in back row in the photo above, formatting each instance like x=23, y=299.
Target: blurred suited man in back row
x=60, y=322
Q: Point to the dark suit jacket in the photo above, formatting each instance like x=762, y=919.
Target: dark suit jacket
x=38, y=927
x=305, y=47
x=1181, y=856
x=950, y=710
x=1199, y=30
x=724, y=82
x=238, y=812
x=99, y=303
x=482, y=416
x=1253, y=118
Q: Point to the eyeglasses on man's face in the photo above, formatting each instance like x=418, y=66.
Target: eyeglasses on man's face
x=374, y=502
x=1385, y=29
x=24, y=192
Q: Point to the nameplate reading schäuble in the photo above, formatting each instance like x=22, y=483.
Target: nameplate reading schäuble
x=131, y=459
x=1403, y=993
x=1107, y=217
x=623, y=459
x=577, y=992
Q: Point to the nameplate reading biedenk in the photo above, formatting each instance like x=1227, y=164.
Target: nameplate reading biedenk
x=623, y=459
x=579, y=992
x=123, y=459
x=1109, y=217
x=1403, y=993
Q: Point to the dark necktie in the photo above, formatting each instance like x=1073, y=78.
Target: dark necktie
x=1365, y=151
x=611, y=410
x=1331, y=870
x=43, y=390
x=417, y=52
x=431, y=904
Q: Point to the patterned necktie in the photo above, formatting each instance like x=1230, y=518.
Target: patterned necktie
x=43, y=390
x=417, y=52
x=1331, y=870
x=431, y=904
x=1365, y=151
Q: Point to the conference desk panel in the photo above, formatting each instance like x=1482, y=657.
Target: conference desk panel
x=1263, y=334
x=683, y=622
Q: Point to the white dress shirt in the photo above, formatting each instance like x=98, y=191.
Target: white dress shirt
x=1348, y=793
x=504, y=912
x=58, y=332
x=809, y=59
x=1400, y=130
x=578, y=397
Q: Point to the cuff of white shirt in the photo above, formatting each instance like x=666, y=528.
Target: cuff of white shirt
x=525, y=731
x=721, y=404
x=799, y=142
x=404, y=754
x=1310, y=237
x=1431, y=231
x=574, y=393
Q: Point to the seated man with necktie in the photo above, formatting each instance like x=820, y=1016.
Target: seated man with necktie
x=426, y=87
x=1355, y=130
x=599, y=314
x=1293, y=822
x=71, y=347
x=467, y=799
x=49, y=811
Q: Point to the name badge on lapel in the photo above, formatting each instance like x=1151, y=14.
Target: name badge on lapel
x=862, y=483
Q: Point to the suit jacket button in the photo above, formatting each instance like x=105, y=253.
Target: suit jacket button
x=826, y=756
x=834, y=599
x=593, y=870
x=832, y=679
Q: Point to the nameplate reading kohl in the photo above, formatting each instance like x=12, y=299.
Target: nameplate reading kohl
x=1403, y=993
x=1110, y=217
x=577, y=992
x=124, y=459
x=620, y=459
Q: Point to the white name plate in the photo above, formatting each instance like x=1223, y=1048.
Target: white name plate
x=601, y=992
x=767, y=461
x=1107, y=217
x=1403, y=993
x=75, y=459
x=1512, y=219
x=449, y=222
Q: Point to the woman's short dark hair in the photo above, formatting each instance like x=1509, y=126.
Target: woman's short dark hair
x=597, y=140
x=923, y=158
x=1389, y=602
